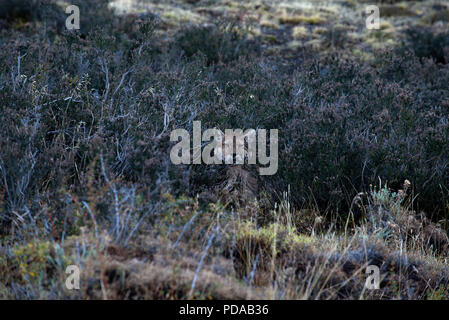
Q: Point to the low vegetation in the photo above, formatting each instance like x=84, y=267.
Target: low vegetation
x=86, y=177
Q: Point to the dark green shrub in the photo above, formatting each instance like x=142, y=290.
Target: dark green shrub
x=426, y=43
x=220, y=42
x=19, y=9
x=22, y=11
x=353, y=126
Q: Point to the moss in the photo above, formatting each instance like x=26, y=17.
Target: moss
x=319, y=30
x=393, y=10
x=298, y=19
x=34, y=259
x=386, y=26
x=181, y=16
x=299, y=32
x=273, y=50
x=438, y=294
x=270, y=38
x=314, y=44
x=362, y=55
x=269, y=24
x=381, y=35
x=284, y=237
x=233, y=4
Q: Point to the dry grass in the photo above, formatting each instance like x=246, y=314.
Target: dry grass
x=299, y=19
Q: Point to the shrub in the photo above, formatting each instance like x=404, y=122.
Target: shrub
x=19, y=9
x=351, y=125
x=222, y=42
x=427, y=43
